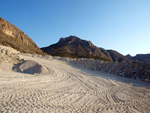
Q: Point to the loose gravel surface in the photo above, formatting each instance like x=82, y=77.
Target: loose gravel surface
x=68, y=89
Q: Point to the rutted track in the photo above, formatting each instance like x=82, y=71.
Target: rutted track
x=67, y=89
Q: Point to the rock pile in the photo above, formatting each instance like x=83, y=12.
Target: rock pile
x=8, y=54
x=136, y=70
x=8, y=57
x=10, y=61
x=30, y=67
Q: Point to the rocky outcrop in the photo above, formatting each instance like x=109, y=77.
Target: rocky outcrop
x=12, y=36
x=75, y=47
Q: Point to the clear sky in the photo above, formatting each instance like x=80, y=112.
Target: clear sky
x=121, y=25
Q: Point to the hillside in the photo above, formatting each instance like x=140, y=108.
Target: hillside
x=12, y=36
x=117, y=56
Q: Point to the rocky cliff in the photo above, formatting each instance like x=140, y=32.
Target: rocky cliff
x=12, y=36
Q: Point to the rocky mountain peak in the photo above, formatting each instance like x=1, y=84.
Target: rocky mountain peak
x=129, y=56
x=76, y=41
x=69, y=39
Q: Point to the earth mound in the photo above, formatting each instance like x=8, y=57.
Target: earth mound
x=30, y=67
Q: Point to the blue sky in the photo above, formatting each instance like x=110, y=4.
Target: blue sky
x=121, y=25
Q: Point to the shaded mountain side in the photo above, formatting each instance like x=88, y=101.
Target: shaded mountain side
x=75, y=47
x=117, y=56
x=11, y=36
x=129, y=56
x=141, y=57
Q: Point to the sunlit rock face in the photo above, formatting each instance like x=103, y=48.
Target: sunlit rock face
x=12, y=36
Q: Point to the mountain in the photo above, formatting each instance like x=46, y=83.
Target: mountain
x=129, y=56
x=141, y=57
x=117, y=56
x=75, y=47
x=12, y=36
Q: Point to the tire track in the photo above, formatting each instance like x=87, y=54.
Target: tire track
x=67, y=89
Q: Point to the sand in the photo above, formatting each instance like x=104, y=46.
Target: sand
x=68, y=88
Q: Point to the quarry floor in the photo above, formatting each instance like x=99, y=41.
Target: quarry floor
x=70, y=89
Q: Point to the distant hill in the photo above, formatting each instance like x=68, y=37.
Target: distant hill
x=77, y=48
x=117, y=56
x=12, y=36
x=141, y=57
x=129, y=56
